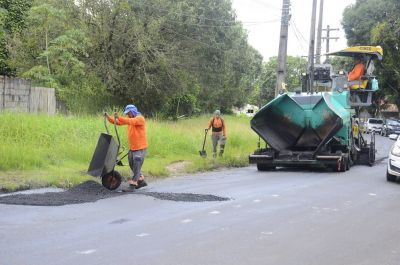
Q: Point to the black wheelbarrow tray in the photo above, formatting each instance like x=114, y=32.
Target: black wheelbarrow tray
x=105, y=158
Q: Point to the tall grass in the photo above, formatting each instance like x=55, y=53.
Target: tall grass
x=41, y=150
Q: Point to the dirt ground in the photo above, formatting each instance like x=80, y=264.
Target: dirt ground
x=178, y=167
x=91, y=191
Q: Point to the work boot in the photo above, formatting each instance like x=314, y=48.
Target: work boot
x=221, y=152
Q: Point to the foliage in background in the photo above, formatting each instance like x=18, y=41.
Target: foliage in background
x=265, y=91
x=41, y=150
x=12, y=21
x=171, y=57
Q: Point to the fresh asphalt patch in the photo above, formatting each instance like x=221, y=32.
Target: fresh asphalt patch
x=91, y=191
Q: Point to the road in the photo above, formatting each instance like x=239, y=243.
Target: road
x=280, y=217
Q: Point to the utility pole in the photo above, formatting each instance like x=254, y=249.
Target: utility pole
x=283, y=41
x=310, y=67
x=327, y=38
x=319, y=32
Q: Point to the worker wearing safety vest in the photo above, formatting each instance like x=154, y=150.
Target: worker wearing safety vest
x=218, y=132
x=356, y=132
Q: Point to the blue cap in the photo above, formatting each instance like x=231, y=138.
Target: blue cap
x=132, y=109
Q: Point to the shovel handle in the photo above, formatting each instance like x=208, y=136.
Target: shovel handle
x=205, y=137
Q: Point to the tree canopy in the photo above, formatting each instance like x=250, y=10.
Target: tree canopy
x=166, y=56
x=265, y=89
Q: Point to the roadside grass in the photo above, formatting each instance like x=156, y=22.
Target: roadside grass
x=41, y=151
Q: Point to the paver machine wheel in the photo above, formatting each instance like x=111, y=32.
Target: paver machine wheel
x=371, y=153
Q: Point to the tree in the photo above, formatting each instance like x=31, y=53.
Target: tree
x=12, y=21
x=178, y=57
x=296, y=66
x=45, y=18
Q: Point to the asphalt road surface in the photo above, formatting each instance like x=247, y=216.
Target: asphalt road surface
x=281, y=217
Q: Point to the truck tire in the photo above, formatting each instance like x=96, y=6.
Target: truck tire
x=341, y=165
x=348, y=161
x=371, y=151
x=264, y=167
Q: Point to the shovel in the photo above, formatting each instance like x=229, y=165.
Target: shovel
x=203, y=152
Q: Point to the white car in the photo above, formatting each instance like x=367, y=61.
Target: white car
x=374, y=125
x=393, y=166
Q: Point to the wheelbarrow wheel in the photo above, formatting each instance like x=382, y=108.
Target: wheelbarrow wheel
x=112, y=180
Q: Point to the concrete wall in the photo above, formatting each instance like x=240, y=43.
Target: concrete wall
x=17, y=94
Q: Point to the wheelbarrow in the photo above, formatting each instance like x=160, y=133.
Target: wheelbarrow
x=105, y=158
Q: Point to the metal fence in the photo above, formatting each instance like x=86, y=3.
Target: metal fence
x=17, y=94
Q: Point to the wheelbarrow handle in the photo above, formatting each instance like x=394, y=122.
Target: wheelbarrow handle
x=105, y=124
x=115, y=126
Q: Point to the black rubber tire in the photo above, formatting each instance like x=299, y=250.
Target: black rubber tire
x=264, y=167
x=111, y=181
x=348, y=162
x=390, y=177
x=340, y=165
x=343, y=164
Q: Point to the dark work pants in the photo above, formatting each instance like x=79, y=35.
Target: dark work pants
x=136, y=159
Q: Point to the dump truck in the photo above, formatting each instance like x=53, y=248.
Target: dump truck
x=314, y=128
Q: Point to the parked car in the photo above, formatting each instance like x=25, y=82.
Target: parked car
x=374, y=125
x=390, y=126
x=393, y=164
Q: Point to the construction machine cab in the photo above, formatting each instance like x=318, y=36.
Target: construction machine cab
x=361, y=90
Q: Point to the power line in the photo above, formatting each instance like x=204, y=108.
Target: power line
x=190, y=38
x=206, y=44
x=264, y=4
x=189, y=14
x=298, y=31
x=255, y=23
x=232, y=23
x=205, y=26
x=298, y=39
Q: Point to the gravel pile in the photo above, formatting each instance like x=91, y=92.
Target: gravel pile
x=89, y=191
x=183, y=197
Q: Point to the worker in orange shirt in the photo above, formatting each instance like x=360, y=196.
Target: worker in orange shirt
x=137, y=141
x=218, y=132
x=354, y=77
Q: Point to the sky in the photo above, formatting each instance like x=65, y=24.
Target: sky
x=261, y=18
